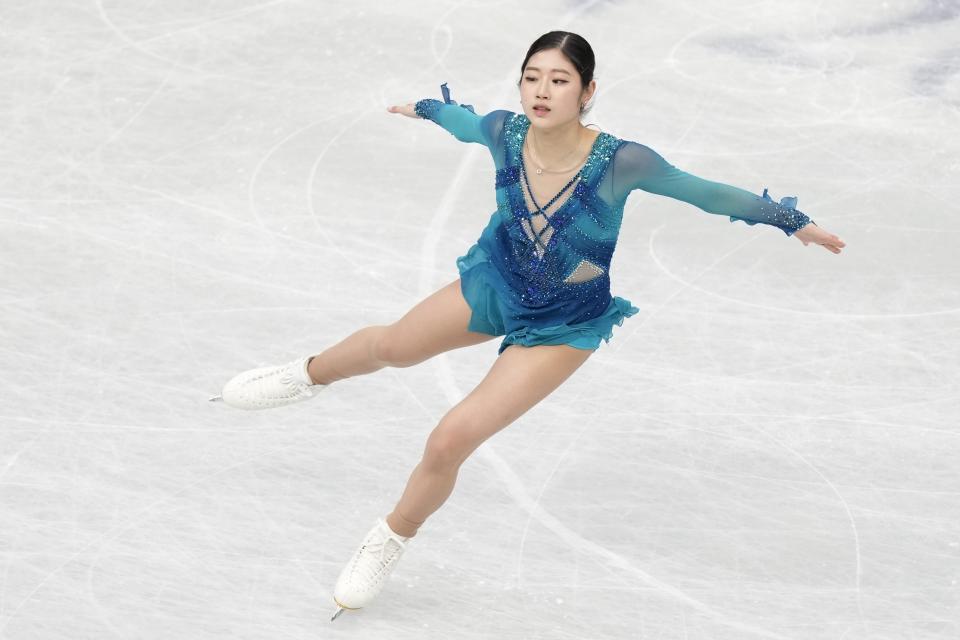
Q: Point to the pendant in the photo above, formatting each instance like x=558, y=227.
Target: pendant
x=539, y=172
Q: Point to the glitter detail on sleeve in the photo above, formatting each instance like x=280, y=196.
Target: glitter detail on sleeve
x=783, y=215
x=427, y=108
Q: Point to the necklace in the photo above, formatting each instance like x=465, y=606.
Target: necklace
x=541, y=170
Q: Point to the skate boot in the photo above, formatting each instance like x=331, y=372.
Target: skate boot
x=367, y=572
x=270, y=387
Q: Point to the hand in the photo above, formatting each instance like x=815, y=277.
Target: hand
x=405, y=109
x=812, y=233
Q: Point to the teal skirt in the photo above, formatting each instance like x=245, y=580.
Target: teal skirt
x=495, y=311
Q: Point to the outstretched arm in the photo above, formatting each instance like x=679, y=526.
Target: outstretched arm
x=637, y=166
x=458, y=119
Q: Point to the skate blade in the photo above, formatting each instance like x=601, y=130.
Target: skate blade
x=340, y=609
x=216, y=399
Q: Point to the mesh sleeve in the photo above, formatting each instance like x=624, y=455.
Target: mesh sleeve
x=637, y=166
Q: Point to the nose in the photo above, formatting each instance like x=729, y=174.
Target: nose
x=542, y=90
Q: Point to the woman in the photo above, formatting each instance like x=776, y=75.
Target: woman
x=538, y=275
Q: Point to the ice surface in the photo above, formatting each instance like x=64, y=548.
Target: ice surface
x=191, y=189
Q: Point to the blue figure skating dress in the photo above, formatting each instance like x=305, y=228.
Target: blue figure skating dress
x=542, y=276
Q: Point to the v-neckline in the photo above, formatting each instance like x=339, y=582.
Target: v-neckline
x=522, y=165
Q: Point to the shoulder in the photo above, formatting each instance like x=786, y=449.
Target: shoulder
x=499, y=116
x=635, y=156
x=496, y=122
x=508, y=119
x=631, y=149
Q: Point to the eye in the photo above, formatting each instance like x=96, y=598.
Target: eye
x=555, y=79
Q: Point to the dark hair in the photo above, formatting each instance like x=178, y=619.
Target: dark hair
x=574, y=47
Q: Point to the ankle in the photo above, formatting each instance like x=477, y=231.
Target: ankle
x=401, y=526
x=313, y=378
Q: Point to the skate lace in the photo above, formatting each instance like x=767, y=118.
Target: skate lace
x=296, y=387
x=378, y=557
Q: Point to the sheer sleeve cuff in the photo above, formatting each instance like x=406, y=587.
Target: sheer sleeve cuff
x=785, y=217
x=428, y=107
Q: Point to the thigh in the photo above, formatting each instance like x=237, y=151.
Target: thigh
x=519, y=378
x=436, y=324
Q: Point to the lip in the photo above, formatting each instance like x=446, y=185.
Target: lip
x=541, y=111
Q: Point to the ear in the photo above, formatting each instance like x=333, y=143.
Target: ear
x=589, y=91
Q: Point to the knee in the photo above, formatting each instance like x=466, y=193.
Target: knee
x=448, y=445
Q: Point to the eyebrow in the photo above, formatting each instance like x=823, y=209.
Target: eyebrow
x=560, y=70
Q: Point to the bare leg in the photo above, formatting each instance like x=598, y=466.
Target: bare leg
x=427, y=489
x=436, y=324
x=519, y=379
x=352, y=356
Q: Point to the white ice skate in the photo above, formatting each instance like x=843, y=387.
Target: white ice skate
x=270, y=387
x=366, y=573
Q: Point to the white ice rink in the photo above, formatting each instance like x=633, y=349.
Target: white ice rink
x=769, y=449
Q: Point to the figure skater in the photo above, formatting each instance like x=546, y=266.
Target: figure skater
x=538, y=275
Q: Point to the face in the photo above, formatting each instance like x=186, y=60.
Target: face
x=550, y=79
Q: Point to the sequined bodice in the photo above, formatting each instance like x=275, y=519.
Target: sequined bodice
x=538, y=226
x=578, y=236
